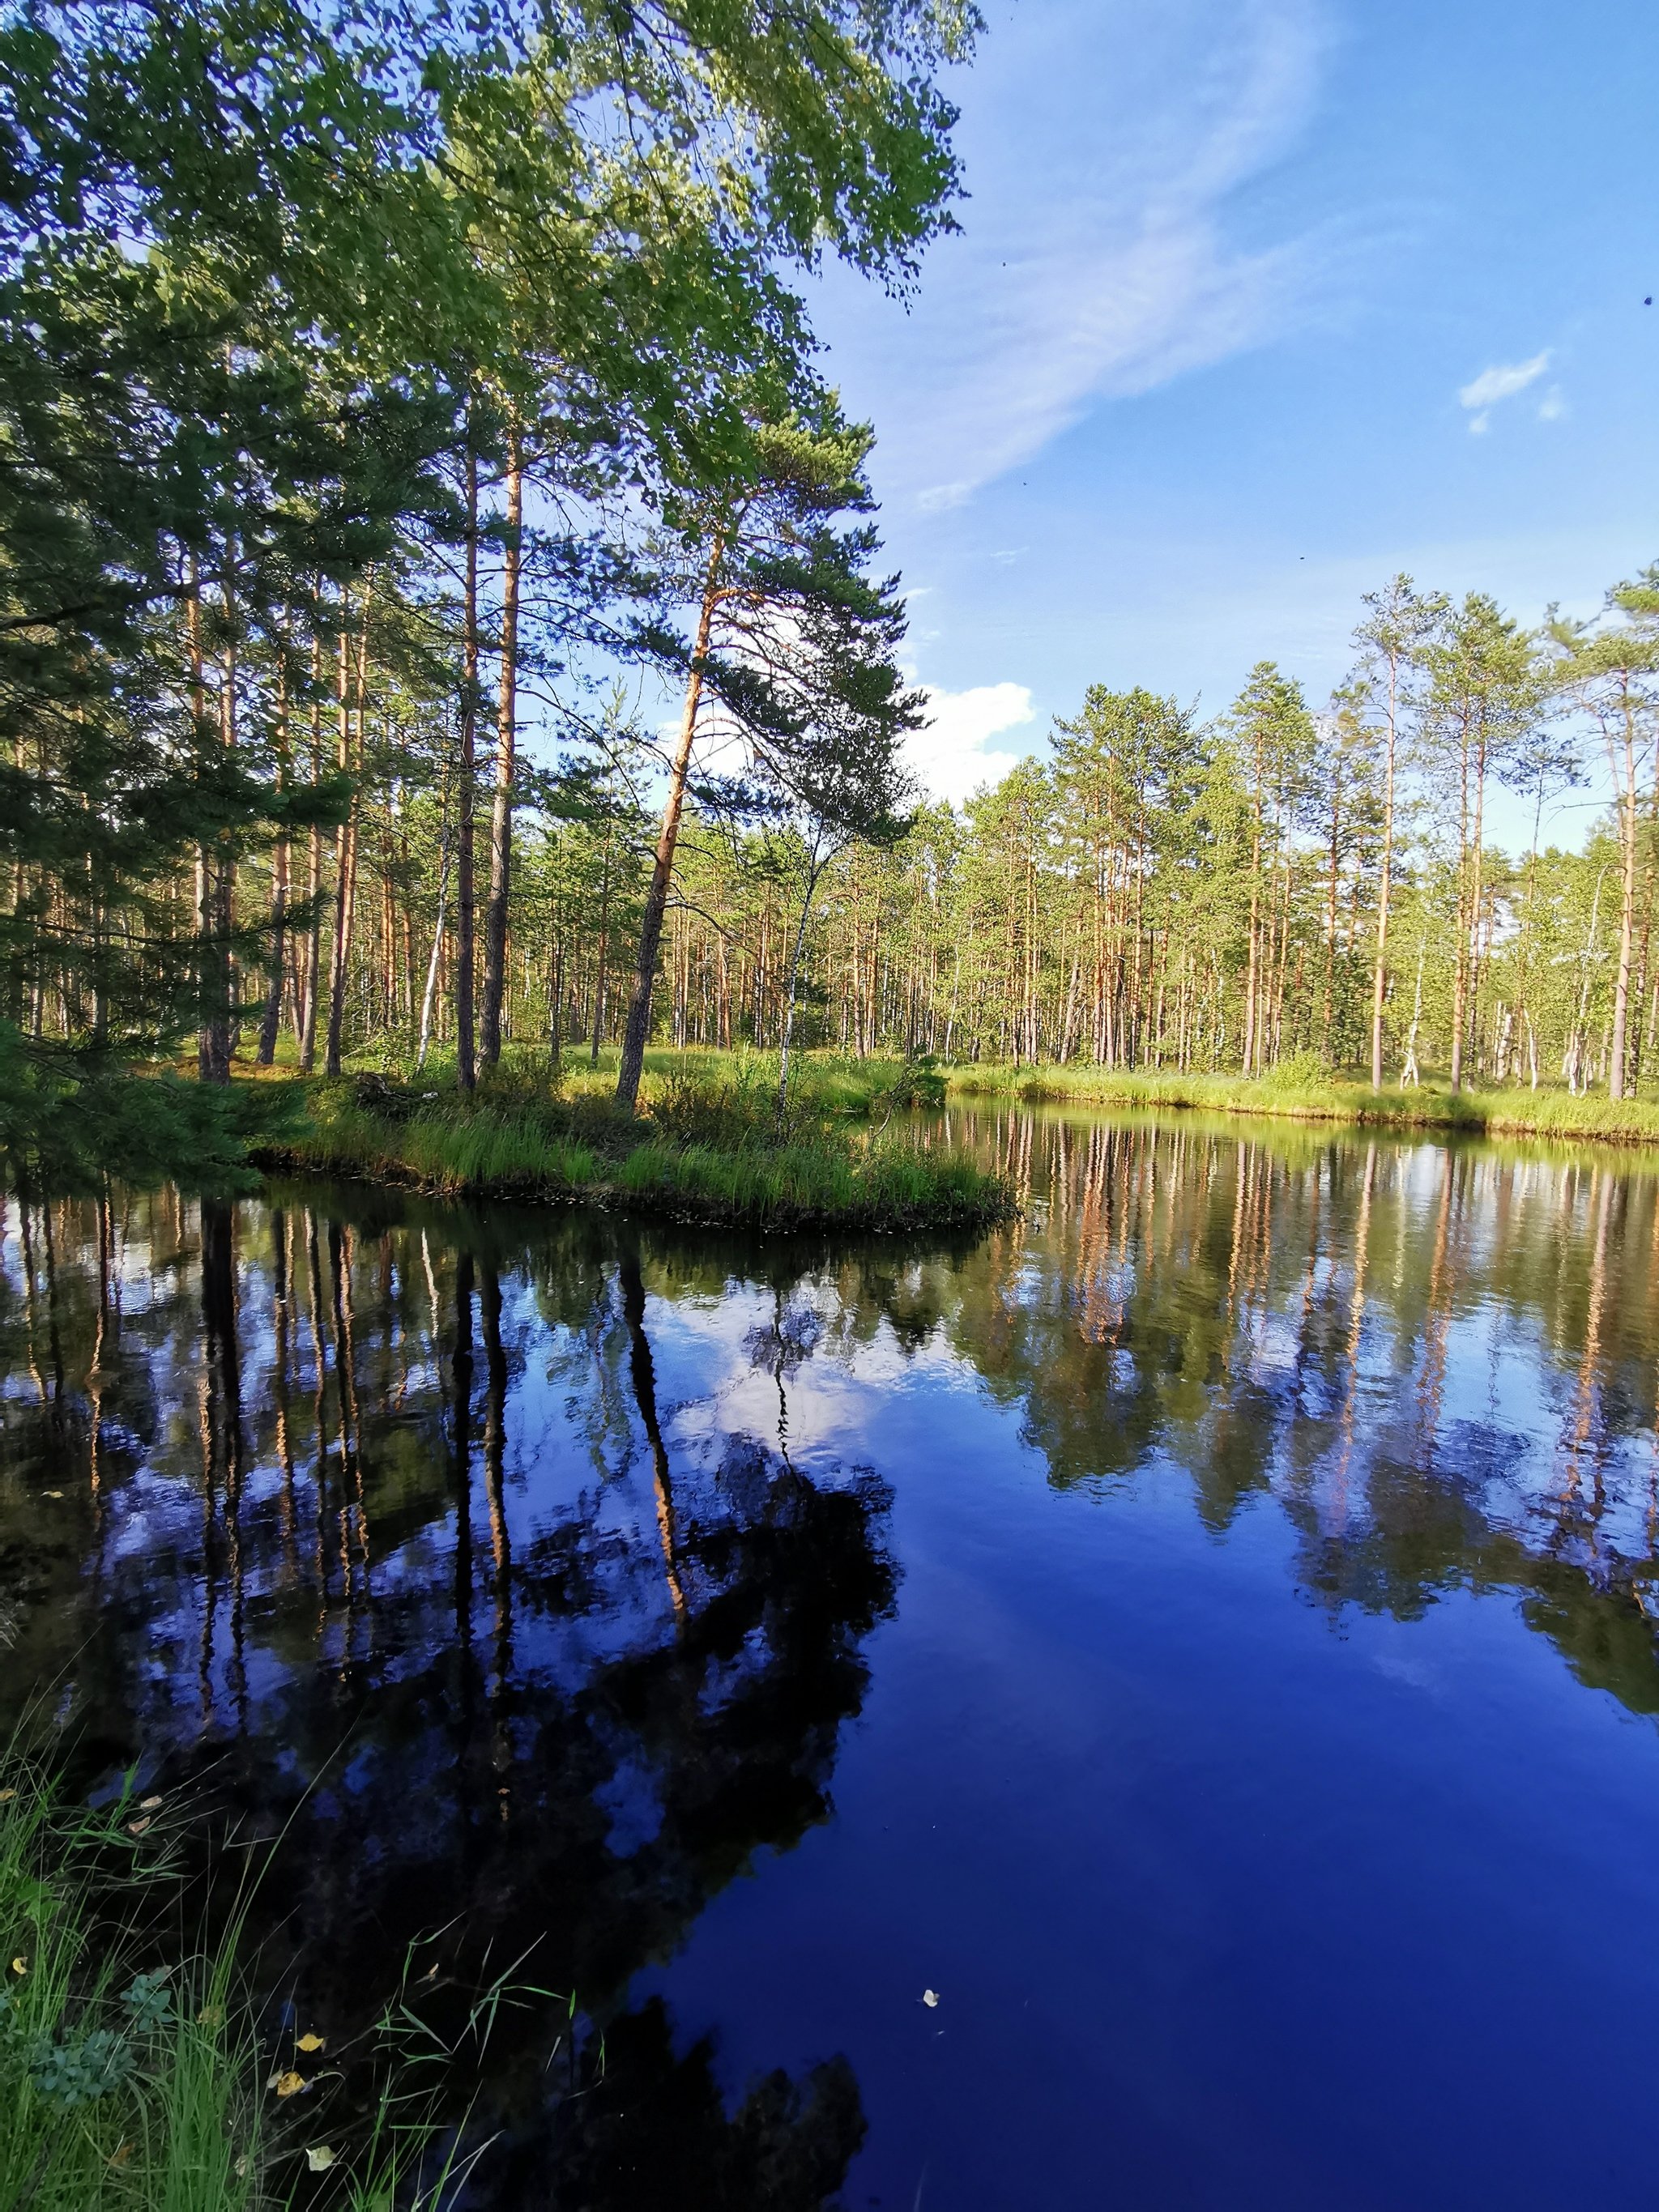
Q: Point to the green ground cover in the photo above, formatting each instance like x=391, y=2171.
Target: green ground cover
x=707, y=1143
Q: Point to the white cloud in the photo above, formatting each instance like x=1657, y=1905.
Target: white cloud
x=1553, y=404
x=1103, y=141
x=1480, y=423
x=1502, y=382
x=950, y=757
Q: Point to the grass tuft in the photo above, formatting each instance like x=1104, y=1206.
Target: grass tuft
x=709, y=1144
x=133, y=2074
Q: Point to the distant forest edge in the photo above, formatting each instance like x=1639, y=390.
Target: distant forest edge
x=381, y=391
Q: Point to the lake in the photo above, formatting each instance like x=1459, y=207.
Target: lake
x=1154, y=1707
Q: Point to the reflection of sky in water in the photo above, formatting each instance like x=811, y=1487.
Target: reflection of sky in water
x=1259, y=1759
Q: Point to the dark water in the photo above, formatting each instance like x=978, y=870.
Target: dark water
x=1204, y=1633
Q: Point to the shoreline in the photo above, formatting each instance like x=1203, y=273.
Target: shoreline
x=1627, y=1124
x=721, y=1169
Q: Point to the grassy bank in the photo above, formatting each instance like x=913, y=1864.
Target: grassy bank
x=707, y=1145
x=134, y=2075
x=1325, y=1098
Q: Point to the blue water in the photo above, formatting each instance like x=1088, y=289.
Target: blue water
x=1234, y=1697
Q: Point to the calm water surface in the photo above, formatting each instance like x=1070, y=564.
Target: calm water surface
x=1204, y=1633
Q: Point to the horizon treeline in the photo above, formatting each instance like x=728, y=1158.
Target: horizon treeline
x=1279, y=889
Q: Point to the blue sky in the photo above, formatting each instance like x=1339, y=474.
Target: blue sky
x=1255, y=302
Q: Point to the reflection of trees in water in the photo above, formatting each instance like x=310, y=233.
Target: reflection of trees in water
x=410, y=1483
x=1439, y=1359
x=357, y=1573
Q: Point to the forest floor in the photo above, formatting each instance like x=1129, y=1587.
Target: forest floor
x=708, y=1143
x=1514, y=1111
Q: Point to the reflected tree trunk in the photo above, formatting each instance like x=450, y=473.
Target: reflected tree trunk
x=643, y=1371
x=495, y=1456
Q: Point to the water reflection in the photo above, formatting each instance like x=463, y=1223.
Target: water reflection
x=373, y=1520
x=519, y=1569
x=1440, y=1361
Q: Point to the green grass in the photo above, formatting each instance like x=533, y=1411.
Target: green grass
x=707, y=1143
x=134, y=2075
x=1324, y=1097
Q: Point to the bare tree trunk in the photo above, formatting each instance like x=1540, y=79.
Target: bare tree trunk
x=306, y=1009
x=789, y=999
x=431, y=991
x=501, y=820
x=1408, y=1075
x=1385, y=886
x=1465, y=925
x=1251, y=1053
x=273, y=1013
x=345, y=877
x=1626, y=909
x=603, y=954
x=662, y=870
x=466, y=1073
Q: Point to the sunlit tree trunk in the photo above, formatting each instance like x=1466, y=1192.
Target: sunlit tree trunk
x=466, y=792
x=1627, y=797
x=272, y=1019
x=638, y=1029
x=500, y=823
x=1385, y=881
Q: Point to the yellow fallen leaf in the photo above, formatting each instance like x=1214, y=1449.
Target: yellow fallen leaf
x=6, y=1796
x=149, y=1804
x=121, y=2156
x=319, y=2158
x=136, y=1827
x=288, y=2084
x=52, y=1494
x=310, y=2042
x=20, y=1965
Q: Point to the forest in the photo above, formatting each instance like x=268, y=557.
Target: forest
x=444, y=617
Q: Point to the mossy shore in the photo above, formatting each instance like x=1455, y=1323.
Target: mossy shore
x=1591, y=1118
x=704, y=1148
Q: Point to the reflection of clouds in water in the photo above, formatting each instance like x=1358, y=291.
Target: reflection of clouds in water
x=716, y=1365
x=1401, y=1667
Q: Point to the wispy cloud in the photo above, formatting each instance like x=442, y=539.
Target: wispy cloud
x=953, y=758
x=1104, y=142
x=1501, y=381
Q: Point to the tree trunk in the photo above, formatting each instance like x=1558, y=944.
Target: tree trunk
x=1626, y=909
x=1385, y=886
x=466, y=1073
x=789, y=998
x=305, y=1008
x=431, y=991
x=345, y=879
x=500, y=821
x=1461, y=975
x=603, y=954
x=279, y=863
x=662, y=869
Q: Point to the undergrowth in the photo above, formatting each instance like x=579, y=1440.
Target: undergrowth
x=133, y=2071
x=709, y=1142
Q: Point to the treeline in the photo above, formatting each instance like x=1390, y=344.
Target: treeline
x=1278, y=884
x=375, y=382
x=440, y=608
